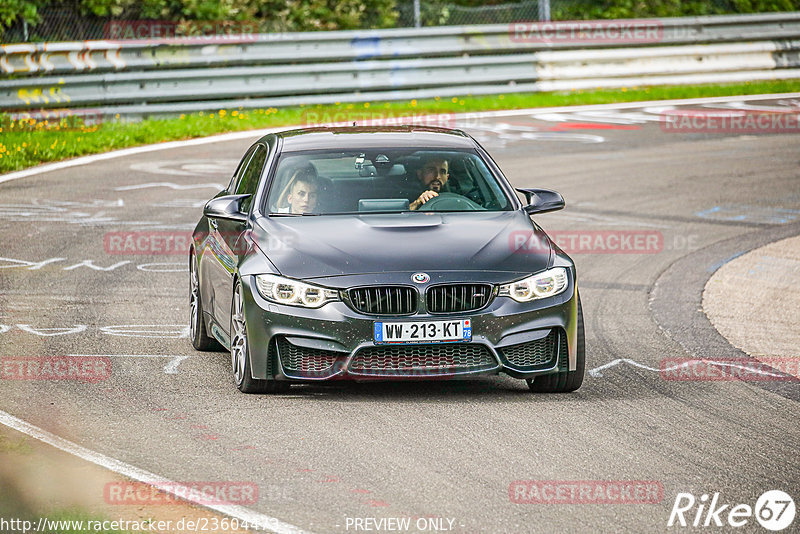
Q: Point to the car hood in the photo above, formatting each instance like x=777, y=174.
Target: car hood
x=339, y=245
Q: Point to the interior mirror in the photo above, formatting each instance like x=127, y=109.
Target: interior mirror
x=542, y=200
x=225, y=207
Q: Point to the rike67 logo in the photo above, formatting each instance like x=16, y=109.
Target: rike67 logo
x=774, y=510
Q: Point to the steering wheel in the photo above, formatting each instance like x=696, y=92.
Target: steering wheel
x=447, y=201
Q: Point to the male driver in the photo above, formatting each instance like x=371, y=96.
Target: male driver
x=302, y=197
x=433, y=174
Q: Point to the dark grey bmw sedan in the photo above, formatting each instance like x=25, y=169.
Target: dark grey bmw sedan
x=365, y=253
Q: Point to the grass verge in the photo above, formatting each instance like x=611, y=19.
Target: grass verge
x=27, y=143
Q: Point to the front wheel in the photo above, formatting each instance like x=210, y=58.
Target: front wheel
x=240, y=355
x=564, y=381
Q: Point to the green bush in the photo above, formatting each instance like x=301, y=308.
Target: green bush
x=270, y=15
x=310, y=15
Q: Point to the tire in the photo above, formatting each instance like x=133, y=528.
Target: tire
x=240, y=353
x=564, y=381
x=197, y=325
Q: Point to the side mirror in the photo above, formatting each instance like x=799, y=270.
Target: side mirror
x=225, y=207
x=542, y=200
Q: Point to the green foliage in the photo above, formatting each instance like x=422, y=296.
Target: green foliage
x=310, y=15
x=25, y=10
x=270, y=15
x=624, y=9
x=454, y=12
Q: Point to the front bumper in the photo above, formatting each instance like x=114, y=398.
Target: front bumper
x=336, y=342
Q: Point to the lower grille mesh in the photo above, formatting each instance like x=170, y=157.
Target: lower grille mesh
x=414, y=360
x=541, y=352
x=304, y=361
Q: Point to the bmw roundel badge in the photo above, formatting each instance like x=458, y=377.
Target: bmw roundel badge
x=420, y=278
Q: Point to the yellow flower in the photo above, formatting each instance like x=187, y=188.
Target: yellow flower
x=460, y=102
x=501, y=97
x=414, y=103
x=454, y=100
x=234, y=113
x=222, y=113
x=436, y=98
x=366, y=104
x=183, y=116
x=624, y=89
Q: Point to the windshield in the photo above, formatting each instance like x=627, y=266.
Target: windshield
x=383, y=180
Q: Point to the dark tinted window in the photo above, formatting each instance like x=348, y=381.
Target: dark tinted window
x=240, y=169
x=248, y=182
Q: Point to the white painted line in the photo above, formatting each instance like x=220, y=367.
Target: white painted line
x=596, y=372
x=264, y=522
x=626, y=105
x=85, y=160
x=171, y=368
x=233, y=136
x=170, y=185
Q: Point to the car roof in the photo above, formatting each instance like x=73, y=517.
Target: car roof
x=366, y=137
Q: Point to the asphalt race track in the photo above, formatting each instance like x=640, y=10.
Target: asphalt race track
x=451, y=449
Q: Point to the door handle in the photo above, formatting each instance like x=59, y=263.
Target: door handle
x=212, y=223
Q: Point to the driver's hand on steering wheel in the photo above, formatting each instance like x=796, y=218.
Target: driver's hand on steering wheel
x=423, y=198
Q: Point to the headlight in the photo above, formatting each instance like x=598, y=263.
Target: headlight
x=293, y=292
x=539, y=286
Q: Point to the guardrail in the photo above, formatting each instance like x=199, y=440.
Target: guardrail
x=166, y=77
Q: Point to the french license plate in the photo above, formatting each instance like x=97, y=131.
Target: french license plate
x=423, y=332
